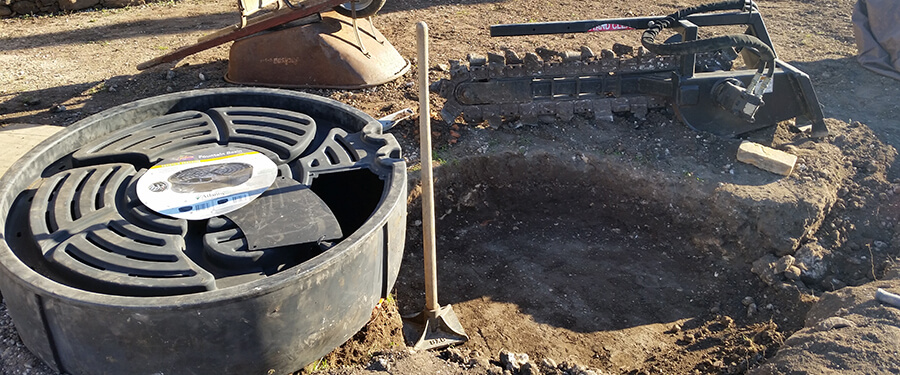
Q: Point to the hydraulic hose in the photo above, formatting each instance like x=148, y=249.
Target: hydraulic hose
x=648, y=39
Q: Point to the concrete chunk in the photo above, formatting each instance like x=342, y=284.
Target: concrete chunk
x=767, y=158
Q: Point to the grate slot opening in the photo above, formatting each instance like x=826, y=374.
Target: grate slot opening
x=74, y=205
x=348, y=148
x=81, y=260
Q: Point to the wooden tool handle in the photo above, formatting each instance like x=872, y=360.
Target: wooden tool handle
x=428, y=240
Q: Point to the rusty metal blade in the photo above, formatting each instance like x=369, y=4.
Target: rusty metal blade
x=434, y=329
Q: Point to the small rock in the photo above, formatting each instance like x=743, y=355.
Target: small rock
x=57, y=108
x=529, y=368
x=442, y=67
x=810, y=258
x=783, y=263
x=752, y=310
x=792, y=273
x=578, y=370
x=455, y=355
x=622, y=49
x=834, y=323
x=522, y=358
x=470, y=199
x=170, y=74
x=832, y=283
x=201, y=76
x=478, y=362
x=380, y=364
x=675, y=328
x=512, y=361
x=747, y=301
x=548, y=363
x=765, y=268
x=871, y=167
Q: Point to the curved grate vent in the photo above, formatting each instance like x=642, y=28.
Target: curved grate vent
x=284, y=133
x=339, y=151
x=149, y=141
x=281, y=135
x=77, y=222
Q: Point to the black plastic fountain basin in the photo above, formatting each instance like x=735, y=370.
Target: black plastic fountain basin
x=97, y=283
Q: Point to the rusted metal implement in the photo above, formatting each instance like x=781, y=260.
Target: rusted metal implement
x=245, y=28
x=284, y=13
x=697, y=77
x=330, y=53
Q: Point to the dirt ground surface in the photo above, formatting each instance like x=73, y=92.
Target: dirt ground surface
x=636, y=246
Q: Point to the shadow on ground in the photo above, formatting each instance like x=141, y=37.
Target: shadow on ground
x=84, y=99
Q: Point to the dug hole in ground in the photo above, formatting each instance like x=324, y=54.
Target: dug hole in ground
x=636, y=246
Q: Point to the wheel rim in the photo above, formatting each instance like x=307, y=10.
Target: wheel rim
x=360, y=5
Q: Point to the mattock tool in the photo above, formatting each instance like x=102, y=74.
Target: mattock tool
x=437, y=326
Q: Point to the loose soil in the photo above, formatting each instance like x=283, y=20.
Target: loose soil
x=637, y=246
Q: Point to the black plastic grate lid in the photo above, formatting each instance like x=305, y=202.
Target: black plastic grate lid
x=145, y=143
x=268, y=130
x=76, y=220
x=339, y=151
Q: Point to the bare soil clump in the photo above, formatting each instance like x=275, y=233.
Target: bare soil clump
x=636, y=246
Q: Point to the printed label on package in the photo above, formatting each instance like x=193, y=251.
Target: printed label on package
x=206, y=183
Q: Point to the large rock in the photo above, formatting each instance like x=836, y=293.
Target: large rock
x=77, y=4
x=121, y=3
x=5, y=11
x=25, y=7
x=48, y=6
